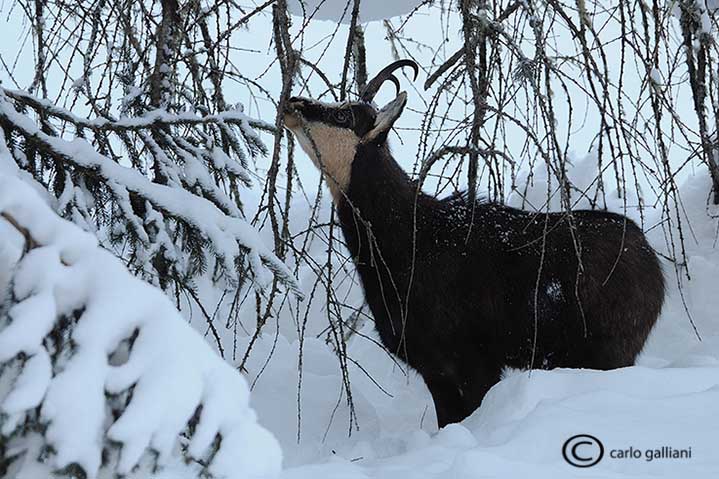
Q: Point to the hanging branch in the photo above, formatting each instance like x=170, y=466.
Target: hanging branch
x=350, y=48
x=697, y=50
x=475, y=46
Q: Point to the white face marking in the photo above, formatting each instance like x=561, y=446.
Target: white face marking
x=336, y=148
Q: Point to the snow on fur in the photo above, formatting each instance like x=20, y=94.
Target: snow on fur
x=172, y=371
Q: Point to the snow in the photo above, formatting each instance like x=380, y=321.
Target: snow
x=554, y=290
x=341, y=10
x=703, y=8
x=655, y=76
x=227, y=233
x=171, y=369
x=521, y=427
x=29, y=387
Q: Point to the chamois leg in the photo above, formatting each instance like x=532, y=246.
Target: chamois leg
x=478, y=385
x=457, y=398
x=448, y=403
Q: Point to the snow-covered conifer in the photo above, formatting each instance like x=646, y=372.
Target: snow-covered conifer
x=98, y=371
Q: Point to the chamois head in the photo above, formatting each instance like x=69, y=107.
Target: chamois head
x=330, y=132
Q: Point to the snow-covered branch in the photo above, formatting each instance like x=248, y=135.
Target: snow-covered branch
x=153, y=118
x=158, y=215
x=95, y=357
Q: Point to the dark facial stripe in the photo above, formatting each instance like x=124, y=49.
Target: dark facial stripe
x=358, y=117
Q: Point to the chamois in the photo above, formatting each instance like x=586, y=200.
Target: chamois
x=460, y=291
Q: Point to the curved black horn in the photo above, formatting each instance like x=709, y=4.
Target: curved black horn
x=370, y=90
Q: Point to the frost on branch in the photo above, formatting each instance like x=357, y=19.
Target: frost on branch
x=98, y=372
x=160, y=189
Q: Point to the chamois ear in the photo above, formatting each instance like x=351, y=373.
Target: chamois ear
x=385, y=119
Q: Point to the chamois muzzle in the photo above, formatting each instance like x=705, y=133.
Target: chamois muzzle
x=370, y=90
x=296, y=102
x=293, y=110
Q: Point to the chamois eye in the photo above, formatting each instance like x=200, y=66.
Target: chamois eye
x=341, y=116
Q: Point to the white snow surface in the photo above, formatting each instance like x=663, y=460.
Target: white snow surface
x=172, y=368
x=524, y=420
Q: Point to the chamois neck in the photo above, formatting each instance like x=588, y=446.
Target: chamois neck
x=380, y=207
x=378, y=184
